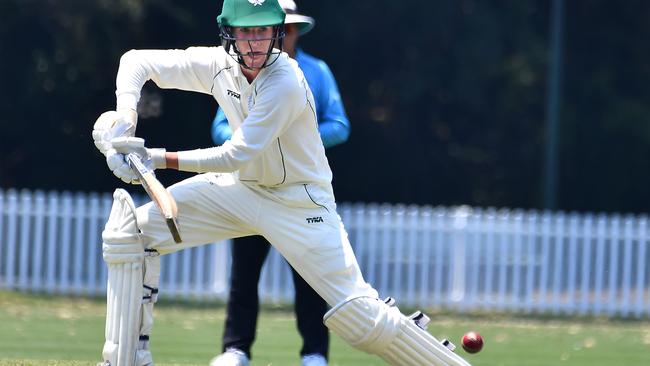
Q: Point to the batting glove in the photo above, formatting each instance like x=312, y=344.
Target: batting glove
x=151, y=158
x=113, y=124
x=122, y=146
x=118, y=165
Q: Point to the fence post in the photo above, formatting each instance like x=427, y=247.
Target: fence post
x=613, y=265
x=558, y=263
x=12, y=218
x=474, y=258
x=386, y=230
x=413, y=260
x=38, y=237
x=601, y=232
x=93, y=243
x=574, y=222
x=504, y=235
x=52, y=240
x=490, y=262
x=459, y=215
x=25, y=214
x=426, y=216
x=80, y=243
x=626, y=284
x=641, y=287
x=531, y=258
x=518, y=261
x=587, y=236
x=396, y=250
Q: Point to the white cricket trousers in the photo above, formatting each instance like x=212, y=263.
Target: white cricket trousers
x=300, y=221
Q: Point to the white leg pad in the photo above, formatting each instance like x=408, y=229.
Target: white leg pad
x=372, y=326
x=133, y=276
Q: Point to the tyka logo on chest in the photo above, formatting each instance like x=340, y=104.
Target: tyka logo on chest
x=233, y=94
x=313, y=220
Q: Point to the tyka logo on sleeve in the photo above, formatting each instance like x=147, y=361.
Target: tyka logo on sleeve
x=233, y=94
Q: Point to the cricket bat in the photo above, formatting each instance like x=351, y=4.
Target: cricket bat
x=158, y=194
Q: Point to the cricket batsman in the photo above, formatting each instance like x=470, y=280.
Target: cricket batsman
x=271, y=179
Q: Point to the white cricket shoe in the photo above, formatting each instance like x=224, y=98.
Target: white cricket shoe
x=232, y=357
x=314, y=359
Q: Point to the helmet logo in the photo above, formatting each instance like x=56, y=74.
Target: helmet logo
x=256, y=2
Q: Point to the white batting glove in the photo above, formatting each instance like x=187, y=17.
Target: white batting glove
x=122, y=146
x=151, y=158
x=118, y=165
x=113, y=124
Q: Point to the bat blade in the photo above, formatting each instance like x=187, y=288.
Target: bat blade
x=158, y=194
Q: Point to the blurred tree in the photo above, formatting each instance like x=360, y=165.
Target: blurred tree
x=446, y=99
x=446, y=107
x=606, y=144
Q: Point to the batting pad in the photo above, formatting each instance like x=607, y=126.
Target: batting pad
x=372, y=326
x=133, y=276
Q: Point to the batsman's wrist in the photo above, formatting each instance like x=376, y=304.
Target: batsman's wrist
x=127, y=101
x=172, y=160
x=129, y=114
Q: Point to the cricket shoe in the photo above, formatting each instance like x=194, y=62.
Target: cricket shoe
x=232, y=357
x=314, y=359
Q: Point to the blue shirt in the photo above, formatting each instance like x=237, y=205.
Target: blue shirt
x=333, y=124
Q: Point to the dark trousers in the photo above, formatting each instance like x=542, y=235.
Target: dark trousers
x=248, y=255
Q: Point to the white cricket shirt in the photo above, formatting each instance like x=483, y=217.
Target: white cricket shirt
x=275, y=137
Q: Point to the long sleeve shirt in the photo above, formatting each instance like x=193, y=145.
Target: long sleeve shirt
x=333, y=124
x=275, y=139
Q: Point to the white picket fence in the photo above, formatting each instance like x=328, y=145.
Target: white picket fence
x=461, y=258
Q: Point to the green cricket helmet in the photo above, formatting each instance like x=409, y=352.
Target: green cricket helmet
x=251, y=13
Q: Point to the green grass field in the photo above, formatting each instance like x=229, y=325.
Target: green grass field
x=40, y=330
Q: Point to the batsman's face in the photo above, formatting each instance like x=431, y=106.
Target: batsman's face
x=253, y=43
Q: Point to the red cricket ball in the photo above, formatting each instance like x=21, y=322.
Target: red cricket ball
x=472, y=342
